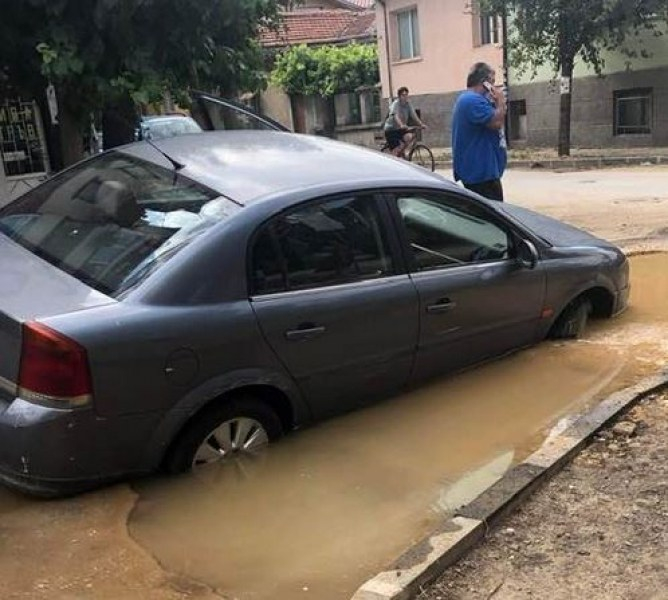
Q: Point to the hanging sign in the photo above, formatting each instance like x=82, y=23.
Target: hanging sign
x=52, y=101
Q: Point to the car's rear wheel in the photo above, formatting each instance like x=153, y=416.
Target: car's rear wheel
x=224, y=433
x=573, y=320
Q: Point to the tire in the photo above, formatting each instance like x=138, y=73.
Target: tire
x=422, y=155
x=240, y=426
x=572, y=321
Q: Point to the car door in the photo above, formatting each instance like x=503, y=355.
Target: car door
x=214, y=113
x=332, y=303
x=476, y=299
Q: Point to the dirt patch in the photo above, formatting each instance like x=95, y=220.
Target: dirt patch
x=79, y=548
x=599, y=529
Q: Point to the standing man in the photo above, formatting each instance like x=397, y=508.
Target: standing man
x=396, y=125
x=478, y=139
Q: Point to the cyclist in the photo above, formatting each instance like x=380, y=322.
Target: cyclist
x=397, y=134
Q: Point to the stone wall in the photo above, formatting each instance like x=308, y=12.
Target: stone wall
x=592, y=118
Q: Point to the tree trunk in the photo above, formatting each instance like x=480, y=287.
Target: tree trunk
x=119, y=121
x=71, y=137
x=565, y=100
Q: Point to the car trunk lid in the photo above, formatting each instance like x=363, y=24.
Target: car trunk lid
x=32, y=289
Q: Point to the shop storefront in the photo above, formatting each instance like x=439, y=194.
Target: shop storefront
x=24, y=160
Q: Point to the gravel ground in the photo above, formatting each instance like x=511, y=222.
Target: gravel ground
x=598, y=530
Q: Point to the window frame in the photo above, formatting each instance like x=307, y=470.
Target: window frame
x=414, y=26
x=489, y=29
x=393, y=250
x=458, y=202
x=644, y=93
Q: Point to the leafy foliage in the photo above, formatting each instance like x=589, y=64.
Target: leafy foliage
x=558, y=32
x=326, y=70
x=96, y=51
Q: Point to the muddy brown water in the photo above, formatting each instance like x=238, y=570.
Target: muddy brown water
x=330, y=506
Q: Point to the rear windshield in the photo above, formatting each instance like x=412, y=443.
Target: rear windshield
x=112, y=220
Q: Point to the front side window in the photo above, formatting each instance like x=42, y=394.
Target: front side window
x=112, y=220
x=322, y=244
x=633, y=111
x=408, y=33
x=442, y=232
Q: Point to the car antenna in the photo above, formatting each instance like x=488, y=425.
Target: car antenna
x=176, y=164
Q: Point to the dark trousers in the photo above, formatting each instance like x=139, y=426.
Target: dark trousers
x=491, y=189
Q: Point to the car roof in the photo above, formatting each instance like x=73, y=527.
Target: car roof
x=248, y=165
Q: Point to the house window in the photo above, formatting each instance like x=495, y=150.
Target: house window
x=408, y=34
x=488, y=30
x=633, y=111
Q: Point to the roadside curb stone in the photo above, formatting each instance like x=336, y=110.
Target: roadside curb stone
x=427, y=559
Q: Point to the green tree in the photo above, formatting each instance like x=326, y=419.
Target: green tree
x=326, y=70
x=116, y=54
x=560, y=32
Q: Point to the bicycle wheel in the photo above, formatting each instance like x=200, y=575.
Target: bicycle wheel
x=422, y=155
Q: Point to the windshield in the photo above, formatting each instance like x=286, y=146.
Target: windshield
x=112, y=220
x=161, y=128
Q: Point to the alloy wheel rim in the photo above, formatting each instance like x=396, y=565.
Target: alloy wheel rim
x=231, y=439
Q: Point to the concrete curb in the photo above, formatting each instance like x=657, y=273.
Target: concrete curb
x=591, y=162
x=425, y=561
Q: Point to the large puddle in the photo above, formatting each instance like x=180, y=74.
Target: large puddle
x=330, y=506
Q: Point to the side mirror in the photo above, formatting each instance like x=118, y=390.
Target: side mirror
x=527, y=255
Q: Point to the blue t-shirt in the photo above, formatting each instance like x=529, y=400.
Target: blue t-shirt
x=479, y=152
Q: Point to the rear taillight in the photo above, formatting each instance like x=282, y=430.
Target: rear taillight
x=54, y=369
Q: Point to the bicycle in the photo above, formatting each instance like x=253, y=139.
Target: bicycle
x=416, y=152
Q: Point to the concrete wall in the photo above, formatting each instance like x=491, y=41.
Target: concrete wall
x=275, y=103
x=592, y=113
x=447, y=47
x=361, y=135
x=436, y=113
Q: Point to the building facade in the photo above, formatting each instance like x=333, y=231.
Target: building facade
x=624, y=107
x=429, y=46
x=352, y=116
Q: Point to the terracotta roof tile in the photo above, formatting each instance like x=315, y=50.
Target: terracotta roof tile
x=319, y=26
x=364, y=4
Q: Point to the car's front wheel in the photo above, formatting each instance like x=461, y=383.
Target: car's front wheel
x=573, y=320
x=228, y=431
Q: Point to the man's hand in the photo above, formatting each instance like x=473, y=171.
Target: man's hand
x=497, y=96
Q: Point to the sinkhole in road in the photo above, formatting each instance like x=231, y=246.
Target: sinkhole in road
x=328, y=507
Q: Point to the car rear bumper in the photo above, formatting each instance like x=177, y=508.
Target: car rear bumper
x=51, y=452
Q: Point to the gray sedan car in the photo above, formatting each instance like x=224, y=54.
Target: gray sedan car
x=171, y=304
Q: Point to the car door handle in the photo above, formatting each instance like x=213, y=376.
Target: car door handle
x=441, y=306
x=308, y=331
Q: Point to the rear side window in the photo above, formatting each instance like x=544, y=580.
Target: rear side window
x=321, y=244
x=112, y=220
